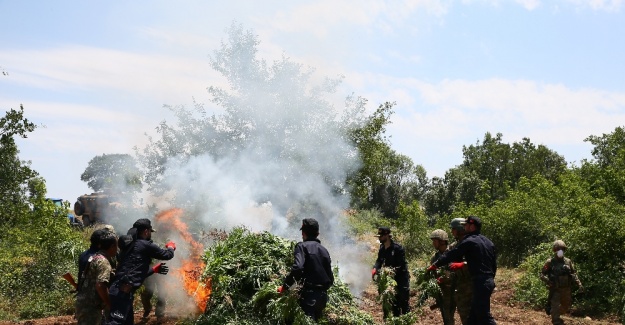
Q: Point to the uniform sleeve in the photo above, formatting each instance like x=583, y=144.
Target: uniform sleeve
x=297, y=270
x=453, y=255
x=544, y=273
x=379, y=260
x=574, y=275
x=103, y=270
x=160, y=253
x=401, y=259
x=328, y=269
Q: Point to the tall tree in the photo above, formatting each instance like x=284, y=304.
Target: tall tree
x=385, y=178
x=14, y=173
x=489, y=170
x=116, y=172
x=606, y=172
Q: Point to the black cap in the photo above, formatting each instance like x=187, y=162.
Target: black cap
x=310, y=225
x=383, y=231
x=143, y=223
x=473, y=220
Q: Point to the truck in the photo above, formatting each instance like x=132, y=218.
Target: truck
x=73, y=221
x=97, y=207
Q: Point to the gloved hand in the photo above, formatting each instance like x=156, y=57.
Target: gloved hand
x=281, y=289
x=171, y=245
x=456, y=266
x=439, y=280
x=160, y=268
x=373, y=273
x=432, y=268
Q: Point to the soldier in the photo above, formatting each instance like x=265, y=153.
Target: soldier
x=133, y=268
x=445, y=303
x=92, y=296
x=481, y=258
x=462, y=285
x=312, y=269
x=392, y=255
x=559, y=274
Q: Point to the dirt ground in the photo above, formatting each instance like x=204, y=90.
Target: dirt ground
x=503, y=308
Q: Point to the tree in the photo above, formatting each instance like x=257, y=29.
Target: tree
x=489, y=170
x=385, y=178
x=14, y=173
x=116, y=172
x=606, y=172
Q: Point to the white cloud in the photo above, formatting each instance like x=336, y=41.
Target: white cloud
x=602, y=5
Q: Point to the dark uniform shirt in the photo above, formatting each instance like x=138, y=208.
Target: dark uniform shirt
x=394, y=257
x=479, y=253
x=135, y=264
x=312, y=265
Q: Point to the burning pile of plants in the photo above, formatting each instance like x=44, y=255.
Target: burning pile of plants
x=246, y=268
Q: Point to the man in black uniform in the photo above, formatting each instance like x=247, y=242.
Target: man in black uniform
x=132, y=270
x=312, y=269
x=392, y=255
x=481, y=257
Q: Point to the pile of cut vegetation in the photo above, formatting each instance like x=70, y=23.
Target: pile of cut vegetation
x=246, y=268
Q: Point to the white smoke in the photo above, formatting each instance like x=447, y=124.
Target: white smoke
x=279, y=154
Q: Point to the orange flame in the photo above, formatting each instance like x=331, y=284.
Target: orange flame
x=191, y=271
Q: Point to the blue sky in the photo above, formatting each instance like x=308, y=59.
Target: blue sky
x=97, y=74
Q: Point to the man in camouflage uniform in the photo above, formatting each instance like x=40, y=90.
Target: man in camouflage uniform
x=559, y=274
x=92, y=296
x=462, y=285
x=440, y=241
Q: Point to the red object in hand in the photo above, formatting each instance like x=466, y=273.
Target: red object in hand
x=456, y=266
x=171, y=245
x=280, y=289
x=439, y=280
x=373, y=271
x=432, y=267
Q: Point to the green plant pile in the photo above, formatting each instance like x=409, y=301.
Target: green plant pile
x=426, y=286
x=246, y=269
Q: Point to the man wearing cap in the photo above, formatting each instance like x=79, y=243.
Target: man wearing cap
x=133, y=268
x=462, y=284
x=392, y=255
x=312, y=270
x=481, y=259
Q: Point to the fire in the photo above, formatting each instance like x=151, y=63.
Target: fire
x=192, y=266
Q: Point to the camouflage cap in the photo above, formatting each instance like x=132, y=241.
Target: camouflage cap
x=559, y=244
x=439, y=234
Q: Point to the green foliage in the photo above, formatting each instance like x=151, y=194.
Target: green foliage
x=490, y=168
x=530, y=289
x=426, y=286
x=115, y=172
x=386, y=178
x=366, y=222
x=14, y=173
x=606, y=172
x=386, y=285
x=246, y=269
x=412, y=231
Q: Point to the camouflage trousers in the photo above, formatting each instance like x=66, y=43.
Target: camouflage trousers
x=88, y=314
x=462, y=298
x=561, y=301
x=447, y=305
